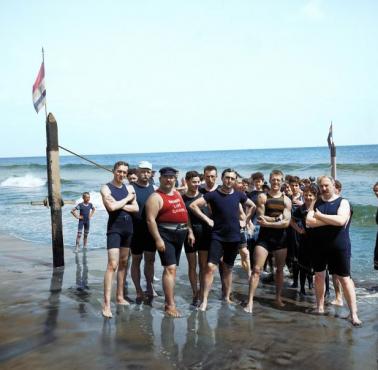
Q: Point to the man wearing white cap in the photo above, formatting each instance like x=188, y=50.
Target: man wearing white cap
x=142, y=242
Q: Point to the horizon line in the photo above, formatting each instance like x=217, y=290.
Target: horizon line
x=194, y=151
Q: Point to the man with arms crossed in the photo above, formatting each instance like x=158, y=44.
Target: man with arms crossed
x=273, y=216
x=225, y=237
x=167, y=220
x=119, y=200
x=330, y=220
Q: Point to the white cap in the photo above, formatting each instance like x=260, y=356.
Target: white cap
x=145, y=164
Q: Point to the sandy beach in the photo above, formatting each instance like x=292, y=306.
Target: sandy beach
x=52, y=319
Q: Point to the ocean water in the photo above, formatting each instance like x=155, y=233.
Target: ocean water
x=23, y=180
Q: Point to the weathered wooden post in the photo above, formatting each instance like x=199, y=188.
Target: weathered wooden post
x=55, y=198
x=332, y=150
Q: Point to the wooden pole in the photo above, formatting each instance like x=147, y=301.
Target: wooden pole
x=332, y=151
x=55, y=198
x=333, y=166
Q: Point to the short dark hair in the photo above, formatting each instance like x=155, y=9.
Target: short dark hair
x=131, y=171
x=190, y=174
x=312, y=188
x=210, y=168
x=229, y=170
x=85, y=193
x=294, y=180
x=120, y=163
x=257, y=176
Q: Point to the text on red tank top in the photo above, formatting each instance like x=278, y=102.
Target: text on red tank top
x=173, y=210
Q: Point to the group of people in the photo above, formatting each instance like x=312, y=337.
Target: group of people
x=216, y=222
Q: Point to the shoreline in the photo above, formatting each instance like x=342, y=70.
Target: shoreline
x=57, y=323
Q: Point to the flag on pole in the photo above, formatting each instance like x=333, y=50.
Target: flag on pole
x=39, y=90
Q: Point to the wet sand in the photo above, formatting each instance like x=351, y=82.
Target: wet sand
x=52, y=319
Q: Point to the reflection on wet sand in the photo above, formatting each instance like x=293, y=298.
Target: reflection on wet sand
x=58, y=324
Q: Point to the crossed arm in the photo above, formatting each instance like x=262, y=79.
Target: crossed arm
x=281, y=222
x=315, y=218
x=128, y=204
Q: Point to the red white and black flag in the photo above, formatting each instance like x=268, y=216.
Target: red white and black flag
x=39, y=90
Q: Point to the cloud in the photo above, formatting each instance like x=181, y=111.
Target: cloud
x=312, y=10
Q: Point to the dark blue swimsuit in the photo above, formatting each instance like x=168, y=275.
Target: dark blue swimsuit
x=120, y=225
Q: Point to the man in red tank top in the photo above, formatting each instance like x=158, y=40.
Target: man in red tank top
x=168, y=223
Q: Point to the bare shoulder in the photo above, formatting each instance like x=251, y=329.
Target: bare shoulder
x=130, y=189
x=105, y=190
x=261, y=199
x=287, y=201
x=154, y=197
x=345, y=205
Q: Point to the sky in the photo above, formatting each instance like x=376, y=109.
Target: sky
x=170, y=75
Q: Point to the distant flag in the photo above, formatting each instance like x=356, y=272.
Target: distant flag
x=39, y=90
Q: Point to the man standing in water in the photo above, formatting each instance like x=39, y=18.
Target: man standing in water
x=330, y=220
x=119, y=200
x=225, y=237
x=167, y=220
x=273, y=216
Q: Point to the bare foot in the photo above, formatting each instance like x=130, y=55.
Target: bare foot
x=202, y=306
x=228, y=300
x=319, y=310
x=279, y=302
x=172, y=311
x=248, y=308
x=337, y=302
x=106, y=312
x=355, y=320
x=122, y=302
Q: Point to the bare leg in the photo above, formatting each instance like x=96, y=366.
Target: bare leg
x=202, y=259
x=113, y=258
x=320, y=290
x=245, y=260
x=169, y=280
x=338, y=301
x=259, y=257
x=227, y=278
x=121, y=275
x=279, y=258
x=77, y=243
x=85, y=240
x=192, y=273
x=350, y=296
x=149, y=261
x=220, y=269
x=207, y=282
x=135, y=274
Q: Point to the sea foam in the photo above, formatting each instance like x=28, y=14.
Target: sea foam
x=27, y=181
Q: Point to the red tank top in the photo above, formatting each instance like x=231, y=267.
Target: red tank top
x=173, y=210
